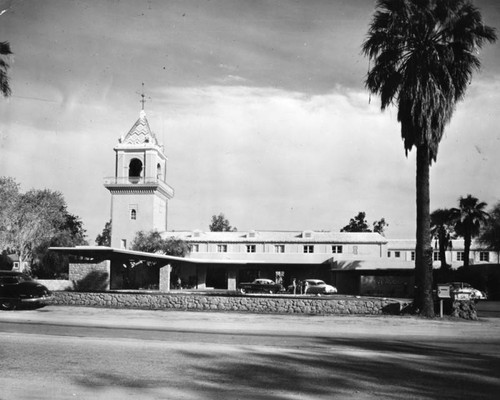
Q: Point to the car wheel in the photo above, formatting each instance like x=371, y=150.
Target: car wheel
x=8, y=305
x=242, y=291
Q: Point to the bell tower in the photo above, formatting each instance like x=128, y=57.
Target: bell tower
x=139, y=191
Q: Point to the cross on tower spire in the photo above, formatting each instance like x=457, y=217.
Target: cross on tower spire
x=143, y=100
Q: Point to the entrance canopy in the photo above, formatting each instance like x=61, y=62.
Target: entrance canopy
x=104, y=252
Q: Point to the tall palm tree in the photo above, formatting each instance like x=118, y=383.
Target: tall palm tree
x=423, y=54
x=472, y=215
x=442, y=223
x=490, y=235
x=4, y=66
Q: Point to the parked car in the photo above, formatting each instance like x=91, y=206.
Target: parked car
x=314, y=286
x=260, y=286
x=17, y=289
x=465, y=287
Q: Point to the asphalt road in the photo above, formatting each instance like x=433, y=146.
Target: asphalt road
x=89, y=353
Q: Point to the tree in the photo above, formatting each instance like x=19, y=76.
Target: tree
x=152, y=242
x=423, y=54
x=104, y=238
x=471, y=216
x=52, y=265
x=221, y=224
x=4, y=66
x=490, y=236
x=30, y=221
x=442, y=230
x=9, y=195
x=379, y=226
x=359, y=224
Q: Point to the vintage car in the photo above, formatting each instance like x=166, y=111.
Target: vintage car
x=465, y=287
x=314, y=286
x=18, y=289
x=260, y=286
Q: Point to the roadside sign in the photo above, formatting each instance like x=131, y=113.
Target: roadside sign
x=462, y=296
x=443, y=291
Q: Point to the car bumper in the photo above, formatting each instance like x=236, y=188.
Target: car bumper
x=31, y=300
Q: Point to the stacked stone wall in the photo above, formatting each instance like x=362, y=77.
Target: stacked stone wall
x=56, y=284
x=78, y=271
x=254, y=304
x=90, y=275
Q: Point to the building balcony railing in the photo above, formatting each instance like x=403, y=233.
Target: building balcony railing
x=138, y=181
x=135, y=180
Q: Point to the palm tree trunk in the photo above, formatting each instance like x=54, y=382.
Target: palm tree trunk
x=467, y=243
x=443, y=244
x=423, y=251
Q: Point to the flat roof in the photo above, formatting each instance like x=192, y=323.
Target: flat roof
x=104, y=251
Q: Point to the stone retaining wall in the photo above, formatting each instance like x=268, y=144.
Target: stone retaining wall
x=254, y=304
x=56, y=284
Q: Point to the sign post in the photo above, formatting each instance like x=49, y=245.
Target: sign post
x=443, y=292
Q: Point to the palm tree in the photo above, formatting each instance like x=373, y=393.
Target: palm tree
x=423, y=54
x=490, y=235
x=442, y=223
x=472, y=215
x=4, y=66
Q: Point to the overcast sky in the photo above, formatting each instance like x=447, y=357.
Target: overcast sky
x=261, y=107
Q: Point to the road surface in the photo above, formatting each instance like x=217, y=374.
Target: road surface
x=90, y=353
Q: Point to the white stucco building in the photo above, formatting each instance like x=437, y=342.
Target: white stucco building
x=365, y=263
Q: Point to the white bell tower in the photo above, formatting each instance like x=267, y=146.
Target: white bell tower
x=139, y=191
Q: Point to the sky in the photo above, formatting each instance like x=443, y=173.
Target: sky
x=261, y=107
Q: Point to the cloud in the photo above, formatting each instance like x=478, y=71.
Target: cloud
x=288, y=159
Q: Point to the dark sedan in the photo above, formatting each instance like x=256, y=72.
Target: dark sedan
x=18, y=289
x=260, y=286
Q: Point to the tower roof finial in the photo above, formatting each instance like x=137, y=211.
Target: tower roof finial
x=143, y=100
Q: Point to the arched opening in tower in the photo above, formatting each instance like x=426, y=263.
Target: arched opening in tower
x=159, y=173
x=134, y=170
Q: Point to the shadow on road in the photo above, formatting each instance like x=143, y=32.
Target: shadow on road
x=390, y=370
x=346, y=368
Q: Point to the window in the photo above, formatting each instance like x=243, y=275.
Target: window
x=195, y=248
x=337, y=249
x=158, y=171
x=123, y=243
x=413, y=256
x=460, y=255
x=435, y=256
x=308, y=248
x=279, y=248
x=354, y=249
x=397, y=254
x=250, y=248
x=484, y=256
x=222, y=248
x=389, y=254
x=133, y=214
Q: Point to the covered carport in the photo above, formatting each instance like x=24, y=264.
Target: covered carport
x=104, y=265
